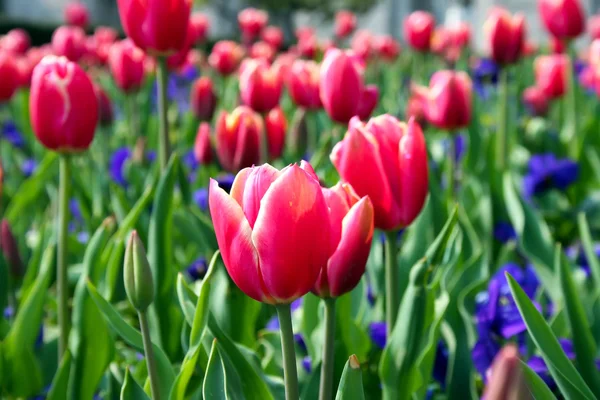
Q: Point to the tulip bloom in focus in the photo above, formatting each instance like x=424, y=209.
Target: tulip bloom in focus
x=260, y=86
x=418, y=29
x=126, y=63
x=159, y=27
x=387, y=161
x=345, y=23
x=9, y=76
x=76, y=14
x=252, y=21
x=238, y=138
x=225, y=57
x=203, y=153
x=273, y=231
x=303, y=84
x=276, y=127
x=536, y=101
x=69, y=41
x=63, y=105
x=505, y=36
x=551, y=74
x=273, y=35
x=203, y=98
x=564, y=19
x=351, y=229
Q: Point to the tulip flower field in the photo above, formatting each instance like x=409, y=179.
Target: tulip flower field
x=353, y=217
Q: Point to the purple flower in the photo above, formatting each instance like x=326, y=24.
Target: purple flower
x=201, y=198
x=299, y=339
x=11, y=134
x=307, y=364
x=483, y=354
x=225, y=182
x=273, y=323
x=538, y=365
x=459, y=146
x=484, y=73
x=28, y=167
x=377, y=331
x=577, y=255
x=197, y=269
x=190, y=161
x=546, y=172
x=9, y=312
x=116, y=165
x=504, y=232
x=371, y=298
x=440, y=365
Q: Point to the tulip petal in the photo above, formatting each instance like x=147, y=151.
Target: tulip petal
x=258, y=181
x=239, y=185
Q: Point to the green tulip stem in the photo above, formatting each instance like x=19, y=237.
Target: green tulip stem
x=392, y=300
x=502, y=141
x=163, y=132
x=573, y=136
x=149, y=352
x=62, y=221
x=284, y=313
x=451, y=169
x=326, y=387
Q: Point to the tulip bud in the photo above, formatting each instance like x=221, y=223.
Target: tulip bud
x=69, y=41
x=551, y=74
x=536, y=101
x=238, y=138
x=225, y=57
x=418, y=29
x=362, y=44
x=276, y=127
x=387, y=161
x=594, y=26
x=308, y=47
x=303, y=84
x=386, y=47
x=159, y=27
x=203, y=152
x=126, y=63
x=10, y=250
x=506, y=381
x=9, y=76
x=345, y=23
x=16, y=41
x=505, y=36
x=260, y=86
x=63, y=106
x=252, y=22
x=137, y=274
x=105, y=111
x=368, y=102
x=76, y=14
x=564, y=19
x=273, y=35
x=200, y=25
x=203, y=99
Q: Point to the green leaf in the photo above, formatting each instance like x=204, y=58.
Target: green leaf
x=131, y=390
x=562, y=369
x=197, y=227
x=131, y=219
x=60, y=383
x=202, y=306
x=351, y=386
x=215, y=381
x=588, y=247
x=353, y=336
x=435, y=252
x=188, y=368
x=23, y=374
x=187, y=299
x=536, y=385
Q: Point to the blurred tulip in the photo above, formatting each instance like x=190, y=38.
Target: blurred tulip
x=203, y=98
x=505, y=36
x=594, y=26
x=447, y=101
x=461, y=35
x=368, y=101
x=418, y=29
x=345, y=23
x=62, y=105
x=529, y=48
x=16, y=41
x=25, y=67
x=200, y=24
x=387, y=161
x=262, y=51
x=126, y=63
x=551, y=74
x=105, y=111
x=416, y=109
x=9, y=76
x=10, y=250
x=273, y=35
x=506, y=380
x=178, y=59
x=225, y=57
x=276, y=127
x=203, y=152
x=308, y=47
x=564, y=19
x=159, y=27
x=386, y=47
x=105, y=35
x=76, y=14
x=303, y=84
x=351, y=229
x=252, y=21
x=362, y=44
x=273, y=231
x=260, y=86
x=303, y=32
x=283, y=64
x=557, y=46
x=440, y=41
x=238, y=138
x=536, y=101
x=594, y=53
x=69, y=41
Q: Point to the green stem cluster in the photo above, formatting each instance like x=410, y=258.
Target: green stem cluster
x=61, y=264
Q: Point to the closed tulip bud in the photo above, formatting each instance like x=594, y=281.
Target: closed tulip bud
x=62, y=105
x=351, y=229
x=69, y=41
x=10, y=250
x=200, y=25
x=252, y=21
x=262, y=51
x=203, y=98
x=105, y=110
x=440, y=41
x=159, y=27
x=16, y=41
x=273, y=231
x=345, y=23
x=368, y=102
x=308, y=47
x=273, y=35
x=551, y=74
x=362, y=44
x=447, y=101
x=340, y=86
x=276, y=127
x=225, y=57
x=137, y=274
x=386, y=47
x=387, y=161
x=127, y=65
x=594, y=26
x=564, y=19
x=506, y=380
x=260, y=86
x=238, y=138
x=505, y=36
x=536, y=101
x=203, y=153
x=303, y=84
x=418, y=29
x=9, y=76
x=76, y=14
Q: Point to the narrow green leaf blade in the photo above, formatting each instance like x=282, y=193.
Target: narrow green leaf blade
x=351, y=386
x=536, y=385
x=131, y=390
x=60, y=383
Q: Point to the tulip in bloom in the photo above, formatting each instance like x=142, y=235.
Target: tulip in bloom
x=273, y=231
x=536, y=101
x=238, y=138
x=387, y=161
x=225, y=57
x=386, y=47
x=9, y=76
x=159, y=27
x=62, y=105
x=203, y=153
x=594, y=26
x=564, y=19
x=69, y=41
x=418, y=29
x=303, y=84
x=76, y=14
x=505, y=36
x=252, y=21
x=273, y=35
x=368, y=102
x=127, y=65
x=345, y=23
x=351, y=229
x=276, y=127
x=200, y=25
x=203, y=98
x=260, y=86
x=16, y=41
x=551, y=74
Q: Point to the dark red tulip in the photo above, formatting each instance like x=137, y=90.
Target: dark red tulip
x=276, y=127
x=203, y=152
x=200, y=25
x=557, y=46
x=368, y=101
x=69, y=41
x=105, y=110
x=564, y=19
x=203, y=98
x=418, y=29
x=127, y=65
x=238, y=138
x=505, y=36
x=10, y=250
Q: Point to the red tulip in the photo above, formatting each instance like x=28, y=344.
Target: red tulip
x=260, y=86
x=159, y=27
x=25, y=67
x=308, y=46
x=461, y=35
x=536, y=101
x=252, y=21
x=304, y=32
x=387, y=161
x=351, y=228
x=557, y=46
x=9, y=76
x=10, y=250
x=447, y=100
x=69, y=41
x=16, y=41
x=345, y=23
x=362, y=44
x=203, y=152
x=105, y=110
x=341, y=85
x=127, y=65
x=105, y=35
x=415, y=108
x=386, y=47
x=594, y=26
x=418, y=29
x=225, y=57
x=564, y=19
x=303, y=84
x=262, y=51
x=283, y=64
x=368, y=101
x=276, y=127
x=273, y=35
x=238, y=138
x=440, y=41
x=273, y=231
x=551, y=74
x=200, y=25
x=505, y=377
x=177, y=60
x=62, y=105
x=505, y=35
x=76, y=14
x=203, y=99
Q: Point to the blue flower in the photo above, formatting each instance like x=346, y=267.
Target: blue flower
x=178, y=88
x=483, y=354
x=459, y=146
x=83, y=237
x=484, y=72
x=299, y=339
x=116, y=165
x=440, y=365
x=371, y=298
x=307, y=364
x=11, y=134
x=151, y=156
x=75, y=210
x=546, y=172
x=201, y=198
x=225, y=182
x=28, y=167
x=504, y=232
x=197, y=269
x=377, y=332
x=189, y=159
x=9, y=312
x=578, y=256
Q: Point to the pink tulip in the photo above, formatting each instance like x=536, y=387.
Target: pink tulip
x=551, y=74
x=564, y=19
x=345, y=23
x=127, y=65
x=203, y=152
x=9, y=76
x=76, y=14
x=69, y=41
x=303, y=84
x=418, y=29
x=238, y=138
x=505, y=36
x=260, y=86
